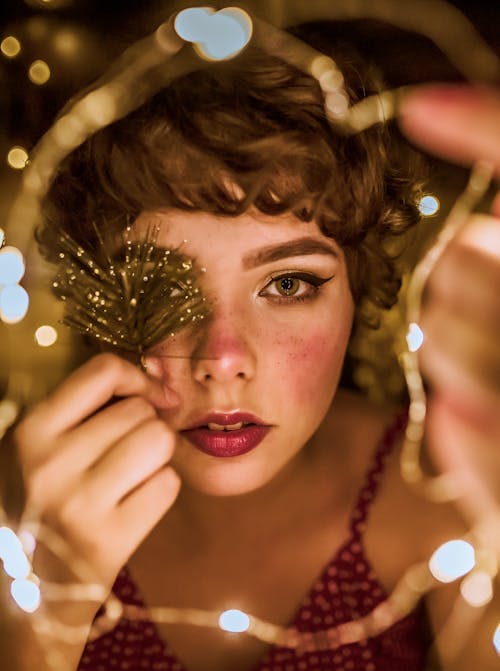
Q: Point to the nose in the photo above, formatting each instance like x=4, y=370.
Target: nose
x=223, y=354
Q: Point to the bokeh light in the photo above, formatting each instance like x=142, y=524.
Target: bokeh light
x=11, y=265
x=17, y=157
x=14, y=303
x=10, y=46
x=15, y=563
x=414, y=337
x=477, y=589
x=45, y=335
x=496, y=640
x=234, y=621
x=26, y=594
x=452, y=560
x=216, y=35
x=39, y=72
x=429, y=205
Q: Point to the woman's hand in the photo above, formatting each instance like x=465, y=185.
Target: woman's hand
x=461, y=319
x=100, y=476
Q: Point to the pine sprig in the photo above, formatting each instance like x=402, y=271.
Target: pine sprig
x=132, y=299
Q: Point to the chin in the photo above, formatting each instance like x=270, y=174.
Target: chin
x=224, y=477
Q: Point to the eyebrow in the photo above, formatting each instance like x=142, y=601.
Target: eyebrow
x=300, y=247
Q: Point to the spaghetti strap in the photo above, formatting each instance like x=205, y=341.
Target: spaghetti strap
x=375, y=472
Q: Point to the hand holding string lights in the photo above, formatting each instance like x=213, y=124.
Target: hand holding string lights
x=109, y=101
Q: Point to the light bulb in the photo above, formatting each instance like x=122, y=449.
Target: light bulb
x=234, y=621
x=14, y=303
x=452, y=560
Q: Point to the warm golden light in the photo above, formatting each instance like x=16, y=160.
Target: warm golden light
x=45, y=336
x=17, y=157
x=39, y=72
x=10, y=46
x=477, y=589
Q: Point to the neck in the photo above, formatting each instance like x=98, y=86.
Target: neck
x=257, y=513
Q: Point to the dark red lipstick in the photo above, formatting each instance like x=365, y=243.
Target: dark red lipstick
x=227, y=434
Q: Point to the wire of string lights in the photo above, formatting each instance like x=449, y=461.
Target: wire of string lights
x=143, y=69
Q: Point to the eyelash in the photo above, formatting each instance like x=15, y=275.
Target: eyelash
x=313, y=281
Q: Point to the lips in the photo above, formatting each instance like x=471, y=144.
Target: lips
x=227, y=434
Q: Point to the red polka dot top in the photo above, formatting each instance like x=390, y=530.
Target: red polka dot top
x=324, y=635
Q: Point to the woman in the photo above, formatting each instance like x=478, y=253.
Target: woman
x=234, y=472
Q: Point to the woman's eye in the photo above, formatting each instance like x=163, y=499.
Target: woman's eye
x=287, y=286
x=293, y=287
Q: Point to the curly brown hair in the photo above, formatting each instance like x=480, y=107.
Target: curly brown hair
x=247, y=133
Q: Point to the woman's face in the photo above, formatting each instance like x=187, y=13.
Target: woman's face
x=271, y=354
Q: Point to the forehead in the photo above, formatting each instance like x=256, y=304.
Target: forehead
x=206, y=234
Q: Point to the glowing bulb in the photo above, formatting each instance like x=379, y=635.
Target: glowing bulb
x=477, y=589
x=11, y=265
x=452, y=560
x=234, y=621
x=191, y=23
x=14, y=302
x=9, y=543
x=10, y=46
x=45, y=336
x=215, y=35
x=17, y=158
x=496, y=640
x=39, y=72
x=414, y=337
x=26, y=594
x=428, y=205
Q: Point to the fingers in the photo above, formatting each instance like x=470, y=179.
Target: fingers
x=461, y=323
x=139, y=512
x=126, y=465
x=457, y=122
x=89, y=388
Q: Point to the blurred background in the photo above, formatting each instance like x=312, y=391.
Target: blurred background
x=50, y=49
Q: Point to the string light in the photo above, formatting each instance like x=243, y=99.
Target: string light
x=39, y=72
x=235, y=621
x=429, y=205
x=10, y=46
x=452, y=560
x=14, y=303
x=477, y=589
x=17, y=157
x=496, y=640
x=414, y=337
x=45, y=336
x=24, y=588
x=11, y=265
x=215, y=35
x=374, y=109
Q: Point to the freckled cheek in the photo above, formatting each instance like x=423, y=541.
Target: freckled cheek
x=308, y=366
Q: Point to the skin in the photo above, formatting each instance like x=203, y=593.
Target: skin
x=271, y=355
x=87, y=471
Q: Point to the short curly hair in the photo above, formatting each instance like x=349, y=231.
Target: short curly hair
x=247, y=133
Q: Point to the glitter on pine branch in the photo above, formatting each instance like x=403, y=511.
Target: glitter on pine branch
x=132, y=299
